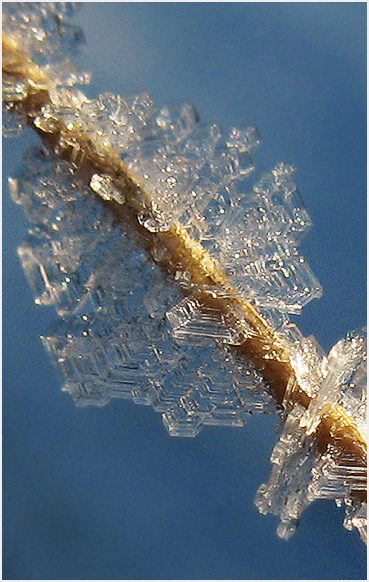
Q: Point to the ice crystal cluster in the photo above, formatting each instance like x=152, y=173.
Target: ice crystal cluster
x=46, y=32
x=198, y=179
x=129, y=330
x=300, y=473
x=123, y=322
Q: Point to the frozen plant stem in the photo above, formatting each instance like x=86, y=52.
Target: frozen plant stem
x=264, y=346
x=267, y=349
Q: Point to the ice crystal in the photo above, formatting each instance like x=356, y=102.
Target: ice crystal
x=45, y=33
x=193, y=177
x=192, y=322
x=123, y=320
x=45, y=30
x=300, y=473
x=127, y=329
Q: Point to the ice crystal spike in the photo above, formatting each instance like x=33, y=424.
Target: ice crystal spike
x=244, y=140
x=103, y=186
x=192, y=322
x=174, y=273
x=285, y=494
x=356, y=518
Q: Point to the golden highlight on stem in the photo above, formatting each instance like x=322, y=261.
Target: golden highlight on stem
x=17, y=62
x=260, y=342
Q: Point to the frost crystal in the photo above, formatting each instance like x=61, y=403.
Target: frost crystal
x=46, y=34
x=123, y=330
x=190, y=321
x=127, y=330
x=300, y=473
x=193, y=177
x=123, y=321
x=45, y=30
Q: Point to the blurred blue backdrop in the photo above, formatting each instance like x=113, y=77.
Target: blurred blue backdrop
x=106, y=493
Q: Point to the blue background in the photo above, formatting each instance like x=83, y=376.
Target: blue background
x=106, y=493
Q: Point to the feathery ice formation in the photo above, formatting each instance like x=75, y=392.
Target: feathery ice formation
x=173, y=275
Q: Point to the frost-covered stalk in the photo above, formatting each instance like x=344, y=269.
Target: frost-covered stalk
x=177, y=268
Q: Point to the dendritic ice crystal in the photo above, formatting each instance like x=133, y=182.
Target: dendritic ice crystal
x=129, y=330
x=195, y=179
x=119, y=333
x=300, y=473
